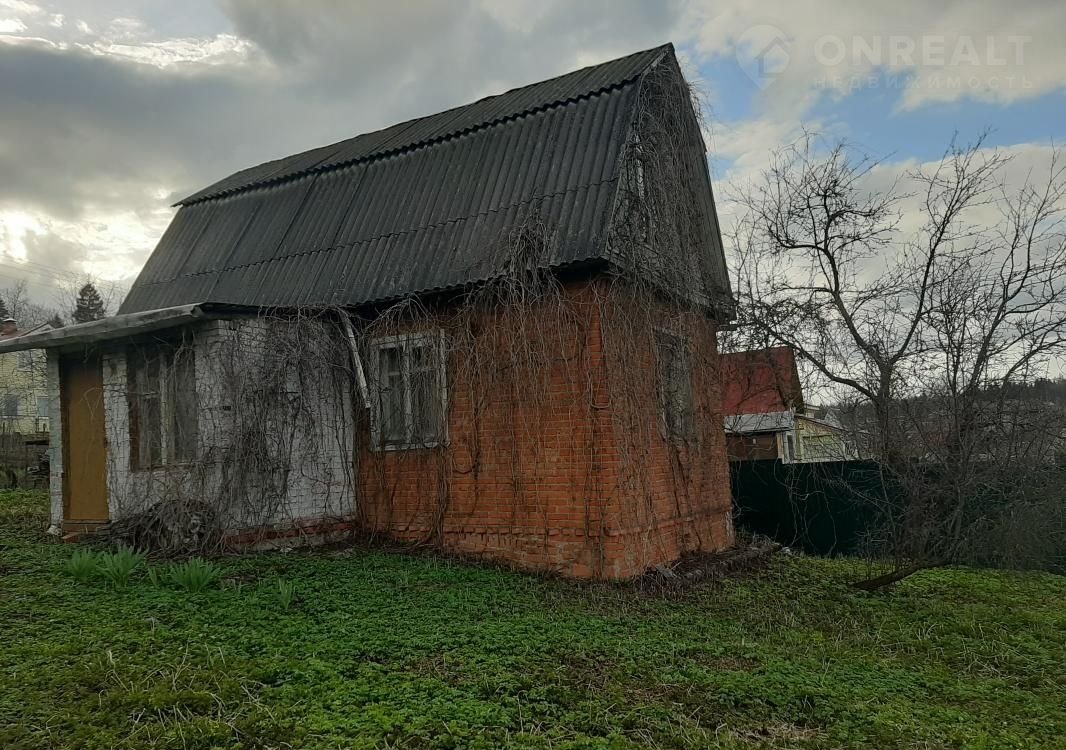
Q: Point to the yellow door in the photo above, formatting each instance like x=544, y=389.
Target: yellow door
x=85, y=480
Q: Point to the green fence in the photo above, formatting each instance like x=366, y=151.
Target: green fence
x=821, y=508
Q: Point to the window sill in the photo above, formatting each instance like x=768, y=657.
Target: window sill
x=388, y=448
x=163, y=467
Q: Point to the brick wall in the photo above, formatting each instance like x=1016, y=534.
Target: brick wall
x=557, y=459
x=562, y=465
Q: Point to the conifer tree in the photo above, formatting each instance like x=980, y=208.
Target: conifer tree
x=89, y=305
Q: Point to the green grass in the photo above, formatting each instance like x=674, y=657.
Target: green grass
x=392, y=651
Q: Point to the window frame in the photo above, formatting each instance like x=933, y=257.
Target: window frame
x=433, y=340
x=789, y=447
x=27, y=360
x=166, y=356
x=679, y=343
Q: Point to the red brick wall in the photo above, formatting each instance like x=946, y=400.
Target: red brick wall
x=672, y=494
x=556, y=460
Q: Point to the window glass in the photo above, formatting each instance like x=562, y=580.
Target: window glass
x=410, y=391
x=163, y=405
x=9, y=405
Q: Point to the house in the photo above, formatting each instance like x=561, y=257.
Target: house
x=993, y=429
x=766, y=416
x=24, y=403
x=491, y=330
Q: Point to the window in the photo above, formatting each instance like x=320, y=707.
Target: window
x=9, y=405
x=410, y=391
x=790, y=447
x=163, y=406
x=42, y=406
x=25, y=360
x=675, y=383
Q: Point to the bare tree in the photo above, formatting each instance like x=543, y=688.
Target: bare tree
x=69, y=297
x=23, y=309
x=923, y=323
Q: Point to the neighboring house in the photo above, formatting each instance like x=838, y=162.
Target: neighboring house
x=1005, y=432
x=24, y=403
x=491, y=329
x=790, y=436
x=765, y=414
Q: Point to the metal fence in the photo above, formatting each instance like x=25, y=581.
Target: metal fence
x=23, y=460
x=822, y=508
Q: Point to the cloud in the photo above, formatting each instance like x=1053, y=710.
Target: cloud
x=112, y=111
x=106, y=120
x=925, y=54
x=418, y=57
x=18, y=7
x=223, y=49
x=933, y=52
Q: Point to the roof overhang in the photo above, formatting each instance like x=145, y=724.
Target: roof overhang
x=119, y=326
x=823, y=422
x=750, y=424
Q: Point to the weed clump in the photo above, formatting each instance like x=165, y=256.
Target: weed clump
x=194, y=575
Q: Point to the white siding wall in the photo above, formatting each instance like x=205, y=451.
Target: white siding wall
x=300, y=467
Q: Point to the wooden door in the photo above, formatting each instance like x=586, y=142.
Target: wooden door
x=84, y=452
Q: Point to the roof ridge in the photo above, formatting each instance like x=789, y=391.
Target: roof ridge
x=320, y=168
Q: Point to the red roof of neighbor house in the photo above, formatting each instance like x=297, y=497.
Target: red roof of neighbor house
x=760, y=381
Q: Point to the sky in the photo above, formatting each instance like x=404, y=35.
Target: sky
x=111, y=110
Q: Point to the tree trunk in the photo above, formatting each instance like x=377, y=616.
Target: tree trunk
x=894, y=576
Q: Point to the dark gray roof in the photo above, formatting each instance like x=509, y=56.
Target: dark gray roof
x=420, y=206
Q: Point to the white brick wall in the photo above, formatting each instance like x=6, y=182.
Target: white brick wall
x=55, y=442
x=274, y=421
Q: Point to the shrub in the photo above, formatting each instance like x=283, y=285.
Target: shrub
x=195, y=574
x=117, y=566
x=83, y=565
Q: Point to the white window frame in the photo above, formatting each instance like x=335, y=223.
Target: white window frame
x=434, y=340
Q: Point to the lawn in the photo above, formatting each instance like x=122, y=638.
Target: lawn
x=390, y=650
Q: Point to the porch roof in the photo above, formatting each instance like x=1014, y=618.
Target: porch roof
x=118, y=326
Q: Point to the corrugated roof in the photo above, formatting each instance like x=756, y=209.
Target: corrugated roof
x=118, y=326
x=773, y=421
x=424, y=205
x=424, y=130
